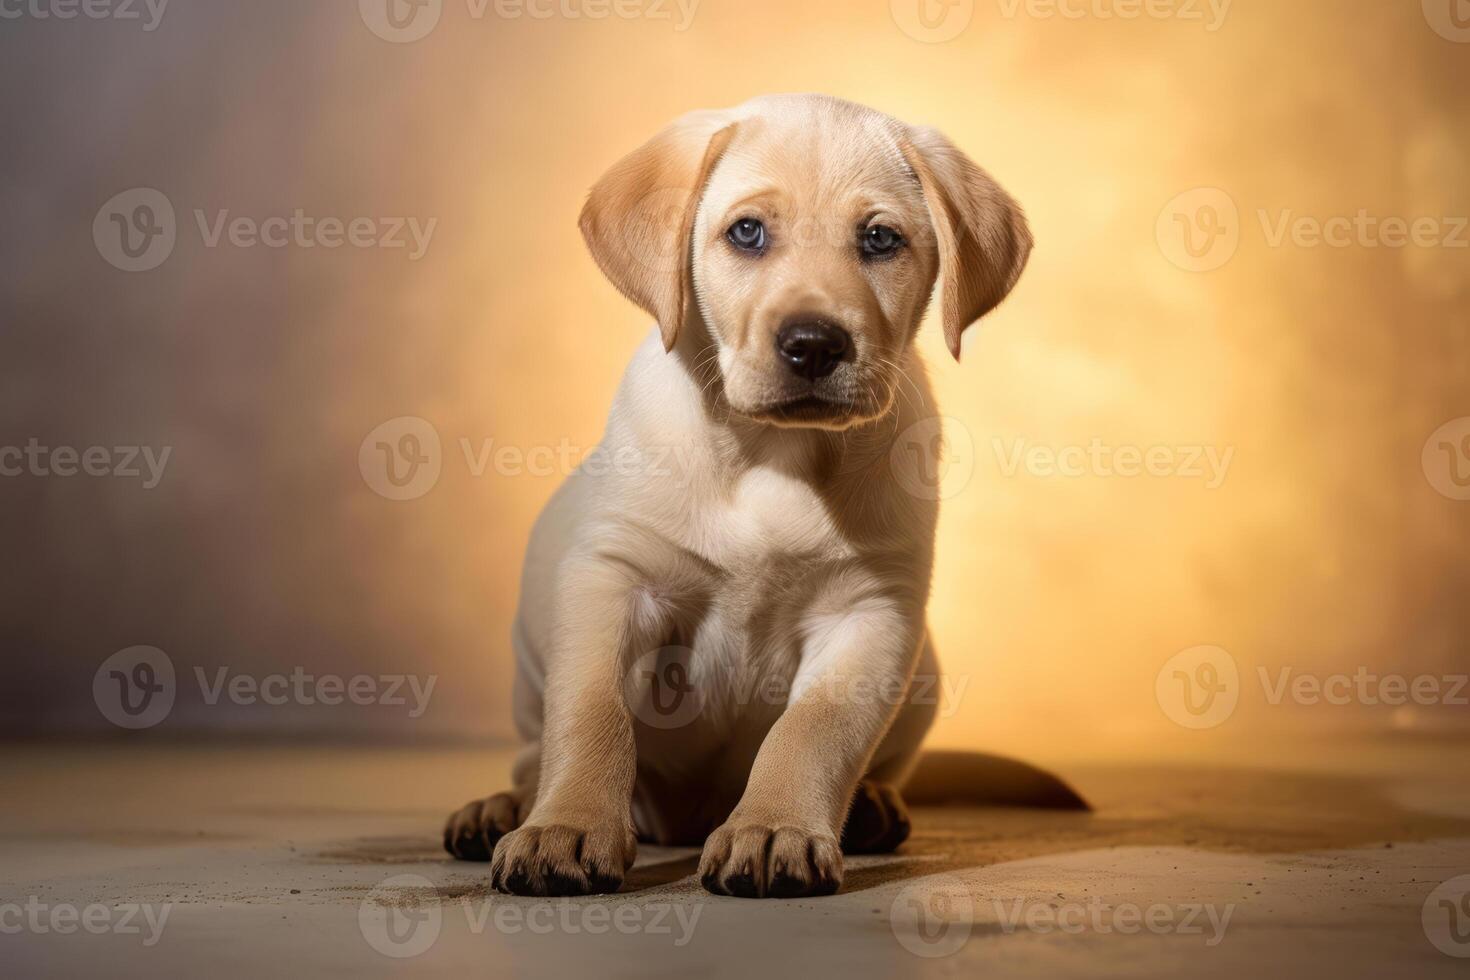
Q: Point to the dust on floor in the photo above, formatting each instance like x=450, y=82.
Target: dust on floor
x=149, y=860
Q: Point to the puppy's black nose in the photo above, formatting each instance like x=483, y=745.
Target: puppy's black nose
x=812, y=348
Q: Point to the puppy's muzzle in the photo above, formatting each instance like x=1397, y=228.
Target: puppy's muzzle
x=812, y=348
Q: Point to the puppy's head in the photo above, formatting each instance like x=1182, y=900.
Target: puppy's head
x=805, y=234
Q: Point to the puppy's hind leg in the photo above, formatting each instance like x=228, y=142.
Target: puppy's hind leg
x=878, y=820
x=471, y=832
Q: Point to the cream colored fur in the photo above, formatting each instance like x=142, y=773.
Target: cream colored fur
x=769, y=550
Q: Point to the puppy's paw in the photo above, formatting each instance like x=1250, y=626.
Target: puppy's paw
x=558, y=859
x=762, y=861
x=877, y=822
x=471, y=833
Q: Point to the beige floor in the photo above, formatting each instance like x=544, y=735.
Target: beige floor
x=133, y=859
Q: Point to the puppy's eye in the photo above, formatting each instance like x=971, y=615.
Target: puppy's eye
x=880, y=242
x=748, y=235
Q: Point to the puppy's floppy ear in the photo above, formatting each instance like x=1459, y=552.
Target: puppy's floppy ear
x=980, y=230
x=639, y=216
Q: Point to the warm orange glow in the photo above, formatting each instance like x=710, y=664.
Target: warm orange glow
x=1318, y=372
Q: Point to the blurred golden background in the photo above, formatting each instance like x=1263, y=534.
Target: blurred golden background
x=1173, y=166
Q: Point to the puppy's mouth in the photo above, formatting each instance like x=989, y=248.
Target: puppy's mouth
x=811, y=406
x=809, y=411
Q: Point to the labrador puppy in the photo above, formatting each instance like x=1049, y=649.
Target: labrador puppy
x=722, y=625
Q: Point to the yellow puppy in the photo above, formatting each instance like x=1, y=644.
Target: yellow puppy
x=721, y=629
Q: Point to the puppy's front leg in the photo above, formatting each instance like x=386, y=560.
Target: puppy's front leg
x=579, y=837
x=782, y=838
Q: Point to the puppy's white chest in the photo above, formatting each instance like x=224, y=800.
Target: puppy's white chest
x=769, y=513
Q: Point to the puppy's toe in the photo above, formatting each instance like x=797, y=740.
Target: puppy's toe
x=712, y=860
x=560, y=859
x=745, y=873
x=762, y=861
x=472, y=832
x=802, y=864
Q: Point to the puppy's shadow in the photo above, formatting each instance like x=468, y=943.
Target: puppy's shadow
x=1210, y=809
x=862, y=873
x=672, y=870
x=657, y=874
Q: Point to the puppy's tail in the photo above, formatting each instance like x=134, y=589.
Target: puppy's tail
x=977, y=779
